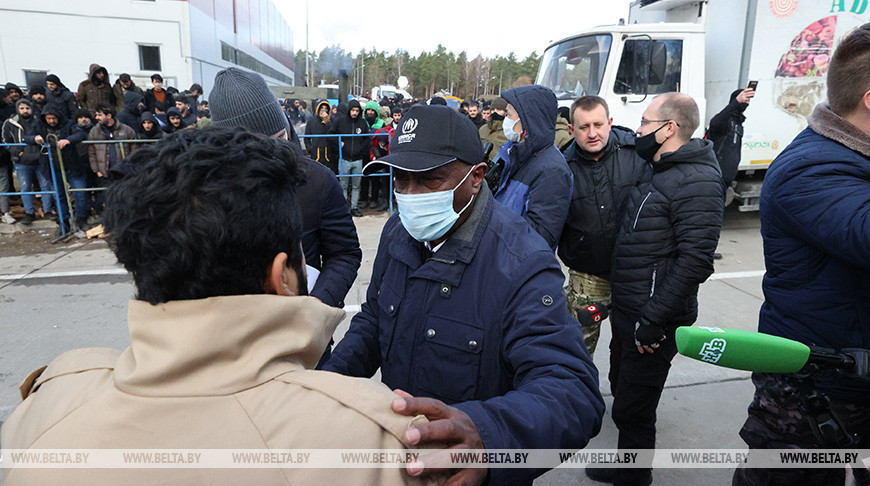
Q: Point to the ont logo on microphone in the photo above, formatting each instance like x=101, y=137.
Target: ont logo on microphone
x=711, y=351
x=409, y=126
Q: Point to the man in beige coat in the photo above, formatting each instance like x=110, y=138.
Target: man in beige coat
x=223, y=334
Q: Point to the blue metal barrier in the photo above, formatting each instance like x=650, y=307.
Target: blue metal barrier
x=56, y=192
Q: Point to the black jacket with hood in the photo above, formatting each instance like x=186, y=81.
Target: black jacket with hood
x=130, y=114
x=669, y=232
x=355, y=148
x=65, y=129
x=61, y=97
x=726, y=133
x=321, y=149
x=156, y=132
x=536, y=182
x=601, y=190
x=170, y=128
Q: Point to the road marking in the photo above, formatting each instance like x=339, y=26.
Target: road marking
x=76, y=273
x=730, y=275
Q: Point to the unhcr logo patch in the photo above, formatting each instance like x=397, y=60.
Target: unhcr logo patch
x=407, y=128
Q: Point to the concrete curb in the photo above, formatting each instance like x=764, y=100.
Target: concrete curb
x=42, y=224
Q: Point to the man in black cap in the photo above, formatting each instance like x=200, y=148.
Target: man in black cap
x=242, y=99
x=465, y=306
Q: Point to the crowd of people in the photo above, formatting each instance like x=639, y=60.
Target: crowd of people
x=98, y=111
x=465, y=316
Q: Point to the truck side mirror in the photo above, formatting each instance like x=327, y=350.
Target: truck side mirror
x=658, y=62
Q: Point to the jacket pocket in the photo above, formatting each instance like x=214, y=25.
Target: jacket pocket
x=448, y=363
x=389, y=302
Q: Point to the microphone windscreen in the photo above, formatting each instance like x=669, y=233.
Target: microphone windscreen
x=742, y=350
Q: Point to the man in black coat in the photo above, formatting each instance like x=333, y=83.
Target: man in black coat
x=329, y=238
x=663, y=252
x=606, y=168
x=726, y=133
x=353, y=151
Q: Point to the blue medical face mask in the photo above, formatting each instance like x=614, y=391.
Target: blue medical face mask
x=430, y=215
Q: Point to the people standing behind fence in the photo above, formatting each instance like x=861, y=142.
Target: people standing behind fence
x=322, y=149
x=103, y=156
x=370, y=186
x=536, y=182
x=353, y=151
x=157, y=99
x=62, y=136
x=25, y=160
x=60, y=96
x=380, y=184
x=96, y=90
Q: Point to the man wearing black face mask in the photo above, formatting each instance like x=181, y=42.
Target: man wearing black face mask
x=664, y=251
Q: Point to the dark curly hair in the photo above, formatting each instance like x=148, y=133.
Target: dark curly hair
x=204, y=212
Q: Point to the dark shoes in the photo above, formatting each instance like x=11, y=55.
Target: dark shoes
x=717, y=256
x=356, y=213
x=28, y=219
x=82, y=223
x=51, y=215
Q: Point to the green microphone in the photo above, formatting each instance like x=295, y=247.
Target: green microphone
x=742, y=350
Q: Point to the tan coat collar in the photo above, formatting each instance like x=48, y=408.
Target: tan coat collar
x=221, y=345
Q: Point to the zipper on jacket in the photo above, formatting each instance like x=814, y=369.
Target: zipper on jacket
x=637, y=216
x=652, y=288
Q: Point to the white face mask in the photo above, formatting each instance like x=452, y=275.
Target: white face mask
x=507, y=126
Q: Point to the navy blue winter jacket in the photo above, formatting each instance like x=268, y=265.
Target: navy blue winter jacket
x=481, y=324
x=536, y=182
x=815, y=221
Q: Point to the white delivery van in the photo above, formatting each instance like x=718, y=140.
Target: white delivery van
x=707, y=49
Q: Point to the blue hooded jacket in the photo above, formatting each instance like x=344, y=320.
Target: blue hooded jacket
x=536, y=183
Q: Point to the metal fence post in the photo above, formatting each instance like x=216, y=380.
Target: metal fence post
x=73, y=224
x=63, y=229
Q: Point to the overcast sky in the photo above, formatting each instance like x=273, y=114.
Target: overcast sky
x=485, y=27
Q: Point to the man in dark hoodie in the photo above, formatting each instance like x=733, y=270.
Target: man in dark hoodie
x=726, y=133
x=174, y=121
x=353, y=151
x=536, y=182
x=664, y=251
x=322, y=149
x=7, y=106
x=605, y=167
x=134, y=105
x=149, y=128
x=60, y=96
x=15, y=91
x=13, y=131
x=53, y=128
x=96, y=90
x=157, y=99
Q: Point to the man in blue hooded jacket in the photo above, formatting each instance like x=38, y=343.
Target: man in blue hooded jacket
x=466, y=306
x=536, y=182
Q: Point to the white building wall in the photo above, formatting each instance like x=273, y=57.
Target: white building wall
x=64, y=37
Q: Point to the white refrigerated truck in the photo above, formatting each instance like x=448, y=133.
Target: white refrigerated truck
x=707, y=49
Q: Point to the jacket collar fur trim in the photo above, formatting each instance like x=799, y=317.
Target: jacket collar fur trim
x=830, y=125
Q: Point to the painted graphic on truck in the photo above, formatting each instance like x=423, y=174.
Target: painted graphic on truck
x=800, y=75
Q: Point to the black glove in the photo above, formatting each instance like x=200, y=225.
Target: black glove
x=646, y=334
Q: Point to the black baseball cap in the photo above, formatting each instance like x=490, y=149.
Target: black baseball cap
x=429, y=137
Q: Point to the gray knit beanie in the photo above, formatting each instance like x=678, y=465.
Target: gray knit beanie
x=242, y=99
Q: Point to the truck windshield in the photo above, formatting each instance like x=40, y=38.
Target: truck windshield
x=575, y=67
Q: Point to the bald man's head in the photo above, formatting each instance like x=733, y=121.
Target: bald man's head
x=682, y=109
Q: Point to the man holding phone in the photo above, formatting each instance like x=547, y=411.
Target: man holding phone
x=726, y=132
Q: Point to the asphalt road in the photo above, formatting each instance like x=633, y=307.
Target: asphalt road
x=75, y=295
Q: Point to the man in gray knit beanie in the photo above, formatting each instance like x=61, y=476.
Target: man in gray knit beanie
x=242, y=99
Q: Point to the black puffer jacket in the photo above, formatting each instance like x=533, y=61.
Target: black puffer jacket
x=726, y=133
x=669, y=232
x=601, y=189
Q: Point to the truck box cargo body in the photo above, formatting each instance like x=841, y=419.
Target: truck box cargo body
x=708, y=49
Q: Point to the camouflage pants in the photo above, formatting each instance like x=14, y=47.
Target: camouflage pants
x=584, y=289
x=776, y=421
